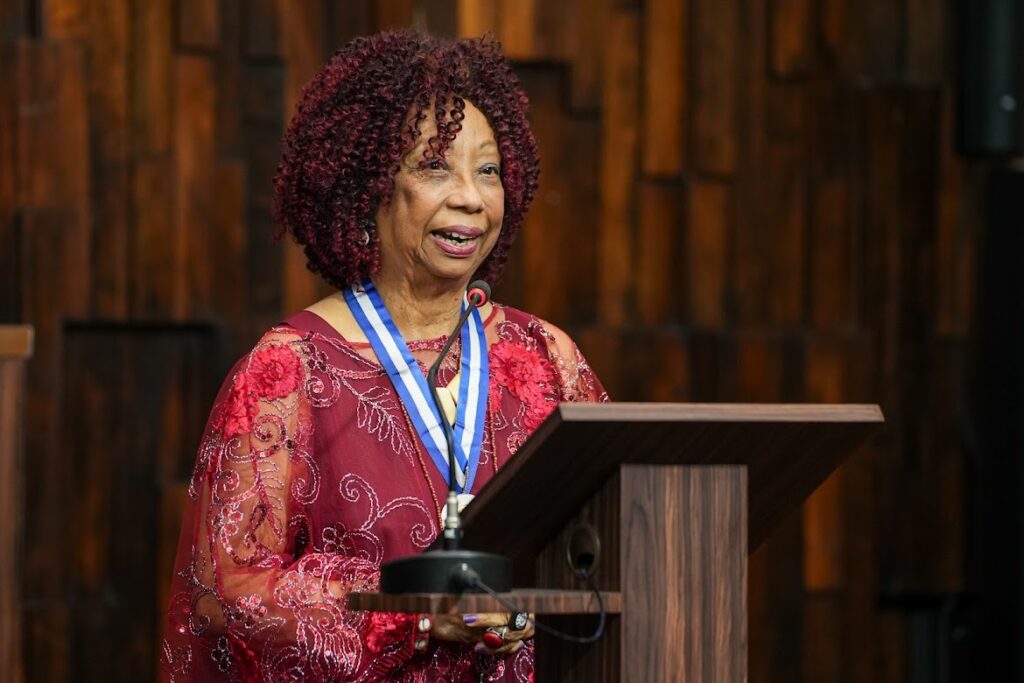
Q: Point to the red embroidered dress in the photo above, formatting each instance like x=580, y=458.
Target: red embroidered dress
x=309, y=476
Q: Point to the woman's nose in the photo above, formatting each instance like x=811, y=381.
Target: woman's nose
x=465, y=195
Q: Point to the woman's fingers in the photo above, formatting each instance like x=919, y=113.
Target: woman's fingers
x=470, y=628
x=510, y=648
x=486, y=619
x=453, y=628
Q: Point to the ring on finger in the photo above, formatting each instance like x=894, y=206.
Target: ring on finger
x=494, y=638
x=518, y=621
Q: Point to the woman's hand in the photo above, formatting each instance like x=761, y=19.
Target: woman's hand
x=469, y=628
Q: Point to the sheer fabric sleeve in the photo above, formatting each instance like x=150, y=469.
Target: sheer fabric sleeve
x=249, y=601
x=576, y=380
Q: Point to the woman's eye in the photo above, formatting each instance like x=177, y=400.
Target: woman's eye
x=491, y=169
x=436, y=165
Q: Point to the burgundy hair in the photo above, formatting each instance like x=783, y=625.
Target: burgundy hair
x=344, y=144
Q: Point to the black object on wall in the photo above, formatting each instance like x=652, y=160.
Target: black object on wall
x=995, y=565
x=990, y=77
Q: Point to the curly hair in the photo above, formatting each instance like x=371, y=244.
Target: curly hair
x=343, y=147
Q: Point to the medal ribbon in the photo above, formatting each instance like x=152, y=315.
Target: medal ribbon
x=393, y=353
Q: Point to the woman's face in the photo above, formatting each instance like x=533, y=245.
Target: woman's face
x=444, y=218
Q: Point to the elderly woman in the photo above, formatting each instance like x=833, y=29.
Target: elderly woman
x=406, y=173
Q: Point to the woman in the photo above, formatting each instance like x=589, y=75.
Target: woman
x=406, y=173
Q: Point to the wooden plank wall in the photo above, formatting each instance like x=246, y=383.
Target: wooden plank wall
x=750, y=200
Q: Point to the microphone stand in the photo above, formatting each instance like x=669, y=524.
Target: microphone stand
x=449, y=569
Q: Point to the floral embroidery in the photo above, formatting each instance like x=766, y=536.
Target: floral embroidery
x=386, y=628
x=276, y=371
x=527, y=375
x=273, y=372
x=240, y=409
x=260, y=593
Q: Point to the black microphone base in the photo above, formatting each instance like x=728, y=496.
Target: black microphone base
x=441, y=571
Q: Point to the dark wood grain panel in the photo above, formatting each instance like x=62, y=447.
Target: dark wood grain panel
x=156, y=251
x=759, y=365
x=709, y=230
x=660, y=218
x=664, y=92
x=229, y=80
x=152, y=46
x=542, y=246
x=395, y=14
x=517, y=28
x=878, y=28
x=45, y=644
x=787, y=207
x=775, y=588
x=956, y=253
x=65, y=18
x=790, y=23
x=261, y=30
x=305, y=50
x=199, y=24
x=344, y=20
x=926, y=32
x=15, y=350
x=603, y=347
x=53, y=150
x=194, y=144
x=14, y=19
x=581, y=153
x=114, y=535
x=668, y=369
x=585, y=39
x=822, y=620
x=716, y=52
x=831, y=287
x=9, y=133
x=44, y=300
x=619, y=145
x=107, y=81
x=823, y=542
x=271, y=290
x=227, y=240
x=476, y=17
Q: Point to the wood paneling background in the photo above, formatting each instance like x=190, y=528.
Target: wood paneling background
x=742, y=200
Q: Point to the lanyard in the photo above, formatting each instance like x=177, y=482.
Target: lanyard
x=369, y=310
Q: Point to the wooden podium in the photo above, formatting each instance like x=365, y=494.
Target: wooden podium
x=678, y=495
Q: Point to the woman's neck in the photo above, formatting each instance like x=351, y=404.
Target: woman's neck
x=420, y=311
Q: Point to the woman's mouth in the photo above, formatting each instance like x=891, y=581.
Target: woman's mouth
x=459, y=241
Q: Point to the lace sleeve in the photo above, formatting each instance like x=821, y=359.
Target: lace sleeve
x=248, y=602
x=576, y=379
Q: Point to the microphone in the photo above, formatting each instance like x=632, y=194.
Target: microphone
x=449, y=569
x=478, y=293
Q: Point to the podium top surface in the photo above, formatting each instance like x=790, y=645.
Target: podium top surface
x=788, y=449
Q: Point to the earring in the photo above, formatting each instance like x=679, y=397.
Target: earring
x=370, y=225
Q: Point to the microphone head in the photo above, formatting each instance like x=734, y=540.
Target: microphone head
x=478, y=293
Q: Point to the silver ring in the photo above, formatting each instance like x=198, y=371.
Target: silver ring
x=518, y=621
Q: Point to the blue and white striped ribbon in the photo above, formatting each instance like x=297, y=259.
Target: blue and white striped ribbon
x=393, y=353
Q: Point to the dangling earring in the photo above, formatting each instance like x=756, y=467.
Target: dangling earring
x=370, y=225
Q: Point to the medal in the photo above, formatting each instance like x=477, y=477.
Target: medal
x=464, y=500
